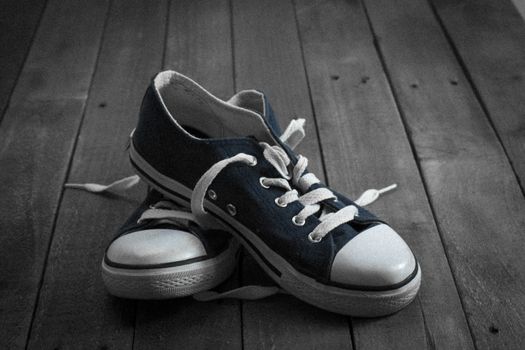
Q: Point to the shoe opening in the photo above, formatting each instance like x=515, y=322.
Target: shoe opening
x=195, y=109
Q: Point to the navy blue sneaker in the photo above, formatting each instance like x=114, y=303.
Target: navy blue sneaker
x=225, y=161
x=160, y=253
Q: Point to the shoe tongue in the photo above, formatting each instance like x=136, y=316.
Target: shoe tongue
x=257, y=101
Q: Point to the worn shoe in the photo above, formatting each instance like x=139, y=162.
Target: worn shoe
x=160, y=253
x=225, y=161
x=160, y=235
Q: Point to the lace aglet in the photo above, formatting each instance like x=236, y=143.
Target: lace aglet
x=387, y=189
x=116, y=187
x=76, y=186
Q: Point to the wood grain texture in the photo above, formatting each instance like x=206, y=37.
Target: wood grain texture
x=74, y=309
x=285, y=322
x=36, y=141
x=18, y=23
x=198, y=45
x=489, y=37
x=315, y=59
x=367, y=147
x=474, y=193
x=268, y=57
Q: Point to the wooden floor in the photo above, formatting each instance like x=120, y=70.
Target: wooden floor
x=426, y=94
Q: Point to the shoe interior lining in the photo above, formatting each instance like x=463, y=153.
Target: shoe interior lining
x=191, y=105
x=249, y=99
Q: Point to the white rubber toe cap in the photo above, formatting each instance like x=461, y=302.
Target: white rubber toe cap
x=377, y=257
x=153, y=247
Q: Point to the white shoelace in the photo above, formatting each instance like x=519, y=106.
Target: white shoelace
x=297, y=180
x=294, y=133
x=166, y=211
x=116, y=187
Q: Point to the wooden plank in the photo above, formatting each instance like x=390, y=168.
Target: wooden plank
x=37, y=136
x=268, y=57
x=19, y=20
x=489, y=37
x=198, y=45
x=74, y=308
x=366, y=147
x=520, y=6
x=473, y=190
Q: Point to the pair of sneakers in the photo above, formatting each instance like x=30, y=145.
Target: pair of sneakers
x=222, y=173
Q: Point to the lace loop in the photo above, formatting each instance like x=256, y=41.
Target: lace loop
x=277, y=157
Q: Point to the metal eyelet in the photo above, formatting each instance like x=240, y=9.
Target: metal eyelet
x=297, y=222
x=314, y=240
x=253, y=162
x=212, y=194
x=231, y=209
x=261, y=181
x=279, y=203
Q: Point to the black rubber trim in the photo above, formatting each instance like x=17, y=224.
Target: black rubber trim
x=157, y=266
x=380, y=288
x=272, y=267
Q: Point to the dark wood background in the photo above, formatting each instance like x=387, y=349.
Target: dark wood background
x=427, y=94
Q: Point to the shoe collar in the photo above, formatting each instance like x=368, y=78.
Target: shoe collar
x=229, y=119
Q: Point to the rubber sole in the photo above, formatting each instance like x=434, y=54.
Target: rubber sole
x=335, y=299
x=171, y=282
